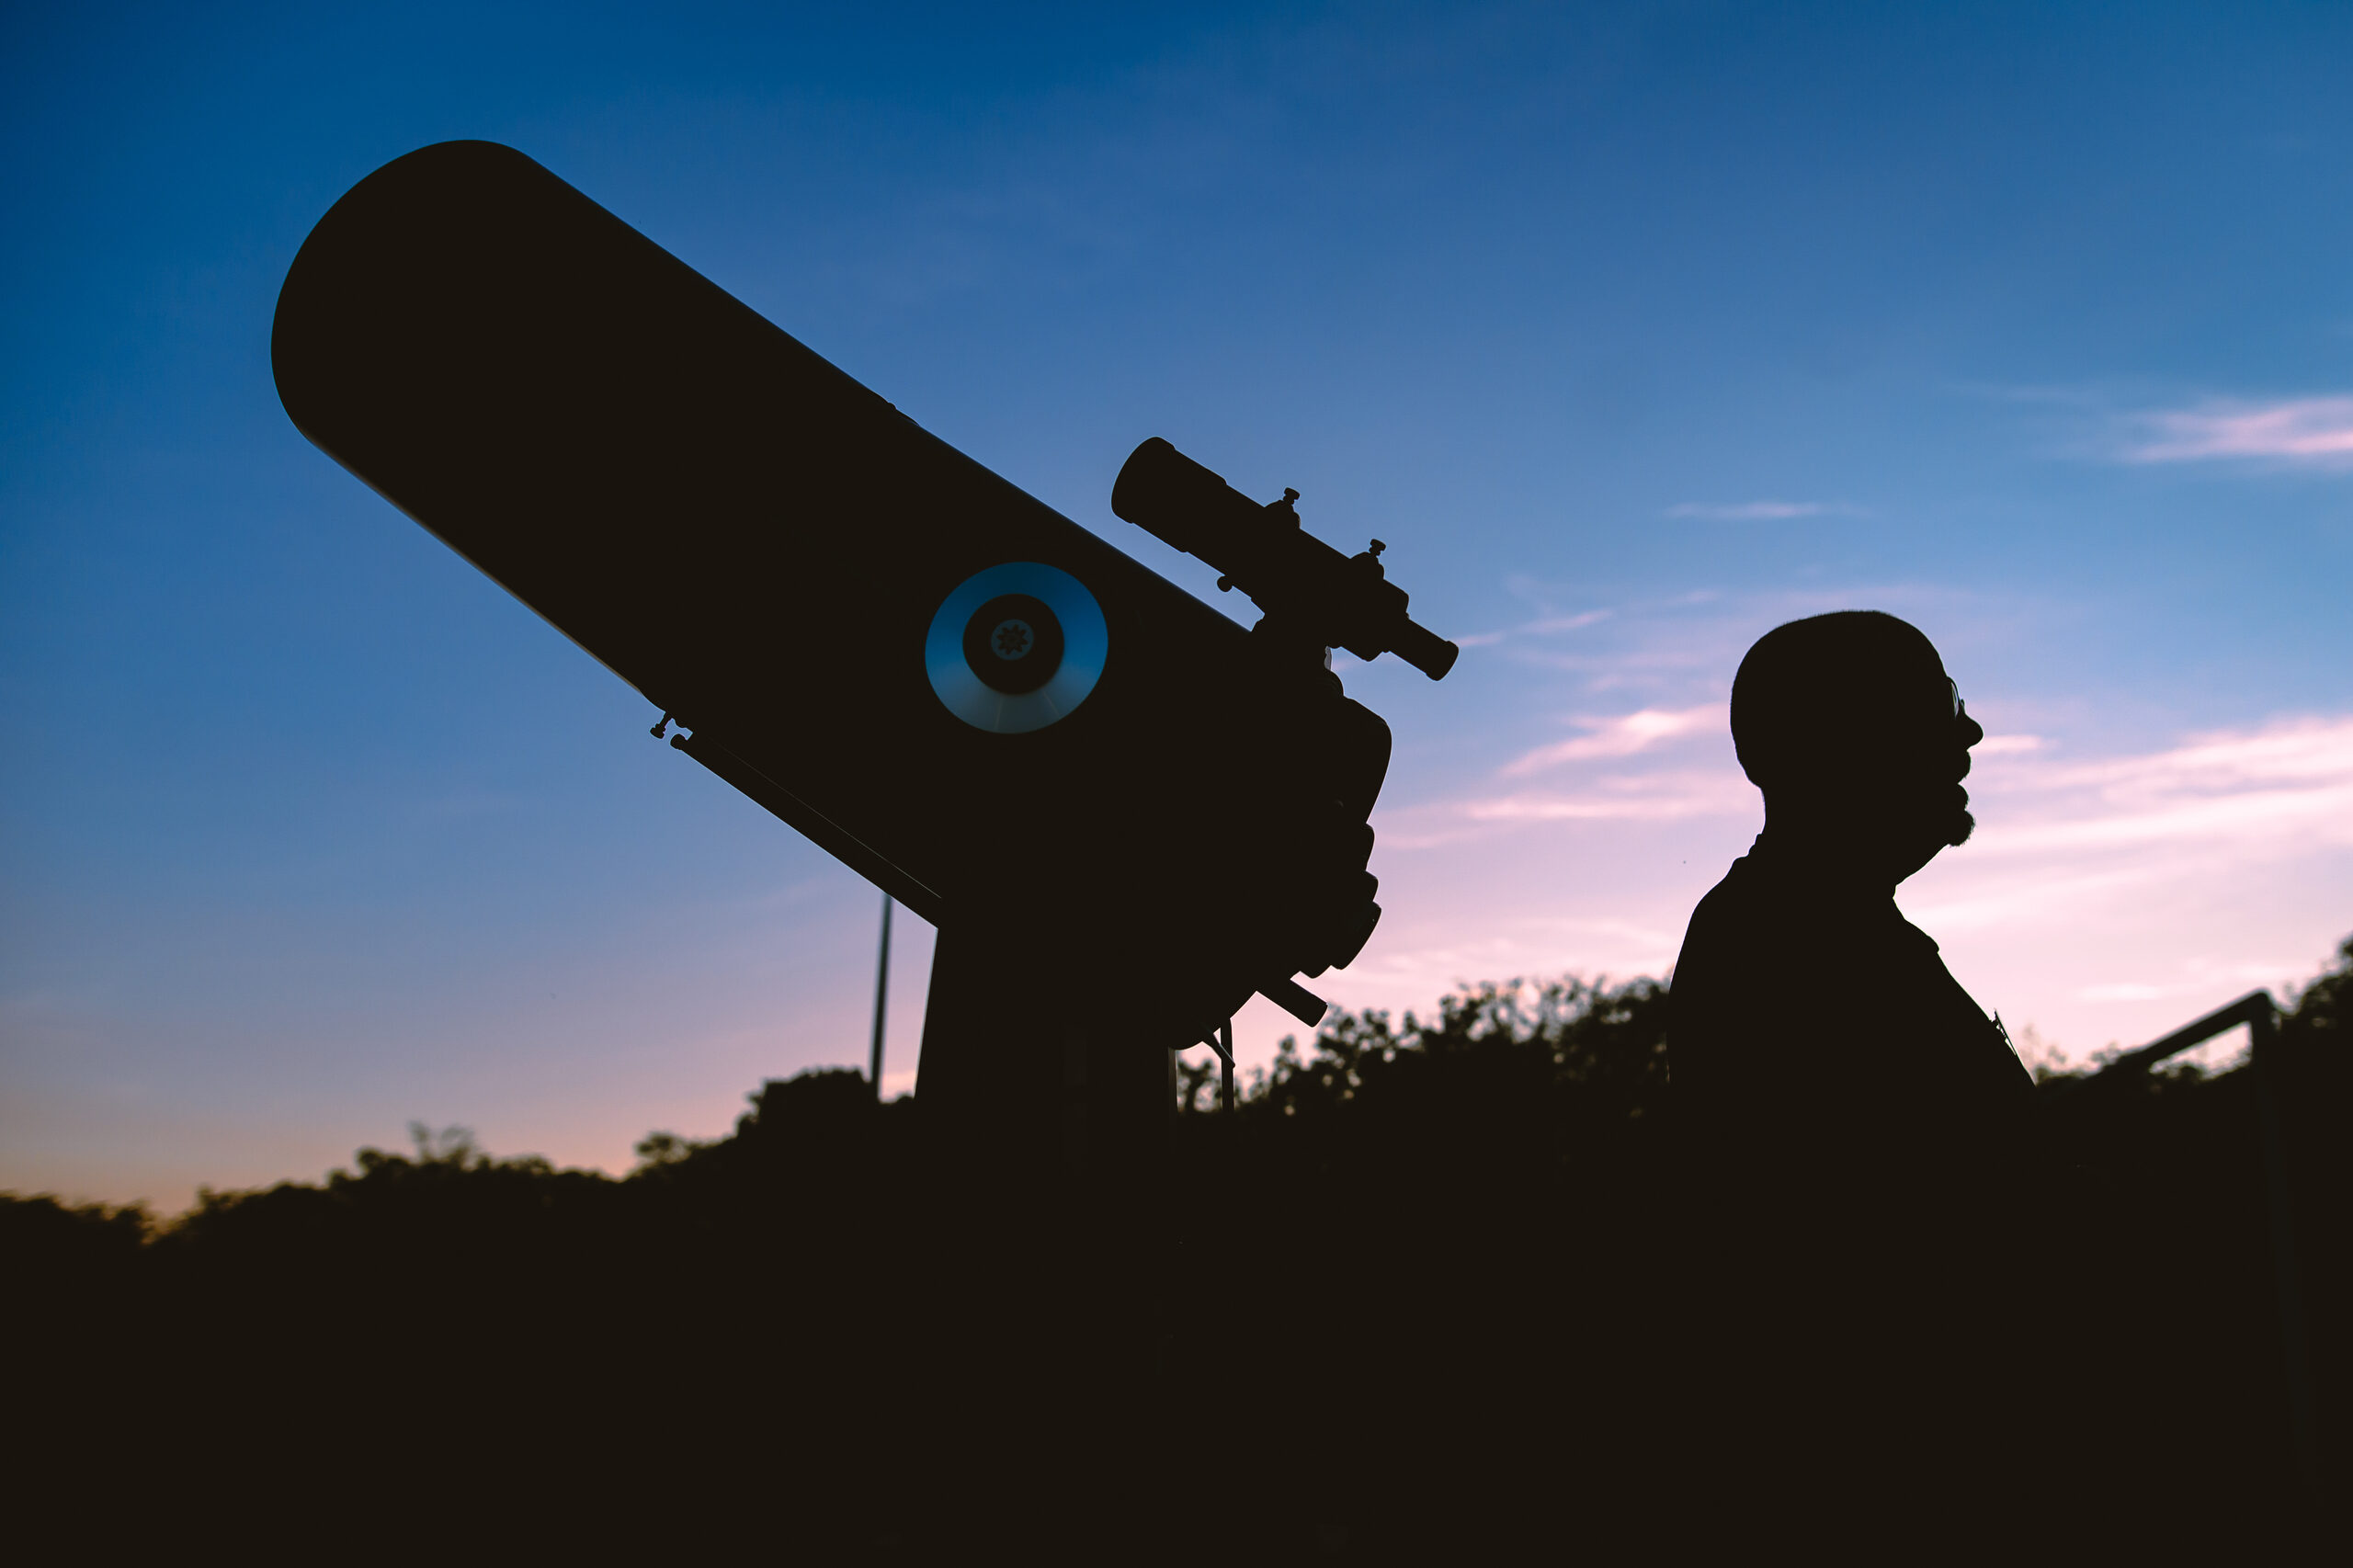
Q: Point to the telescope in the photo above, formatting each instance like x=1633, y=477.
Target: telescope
x=1122, y=814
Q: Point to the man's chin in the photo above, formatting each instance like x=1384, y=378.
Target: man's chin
x=1964, y=825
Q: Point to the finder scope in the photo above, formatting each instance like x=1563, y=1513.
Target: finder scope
x=1307, y=588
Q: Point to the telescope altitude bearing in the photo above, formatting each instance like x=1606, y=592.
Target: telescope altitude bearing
x=1014, y=643
x=1017, y=647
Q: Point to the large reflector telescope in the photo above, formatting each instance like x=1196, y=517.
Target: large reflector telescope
x=776, y=555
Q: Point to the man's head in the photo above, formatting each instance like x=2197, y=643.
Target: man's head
x=1856, y=734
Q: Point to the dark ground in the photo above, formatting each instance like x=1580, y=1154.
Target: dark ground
x=1427, y=1300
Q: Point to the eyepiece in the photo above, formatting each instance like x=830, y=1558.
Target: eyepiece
x=1424, y=649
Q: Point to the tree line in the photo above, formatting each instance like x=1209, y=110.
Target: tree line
x=1410, y=1235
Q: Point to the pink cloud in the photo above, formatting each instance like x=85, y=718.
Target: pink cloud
x=1544, y=626
x=2309, y=432
x=2110, y=899
x=1653, y=796
x=1757, y=511
x=1625, y=736
x=1551, y=624
x=2102, y=900
x=2282, y=788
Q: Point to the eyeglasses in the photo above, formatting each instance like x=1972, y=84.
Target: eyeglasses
x=1967, y=730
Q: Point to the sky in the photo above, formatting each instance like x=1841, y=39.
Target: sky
x=1634, y=330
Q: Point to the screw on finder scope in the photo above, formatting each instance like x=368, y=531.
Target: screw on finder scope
x=1377, y=548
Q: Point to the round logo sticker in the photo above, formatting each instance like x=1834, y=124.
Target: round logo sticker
x=1016, y=647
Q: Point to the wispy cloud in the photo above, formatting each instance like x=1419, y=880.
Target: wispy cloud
x=2312, y=432
x=2125, y=993
x=2106, y=897
x=2278, y=789
x=2137, y=427
x=1546, y=626
x=1416, y=973
x=1648, y=797
x=2053, y=832
x=1627, y=767
x=2103, y=898
x=1551, y=624
x=1625, y=736
x=1759, y=511
x=2179, y=867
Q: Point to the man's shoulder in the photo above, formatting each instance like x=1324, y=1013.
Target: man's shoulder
x=1743, y=914
x=1733, y=941
x=1712, y=920
x=1731, y=900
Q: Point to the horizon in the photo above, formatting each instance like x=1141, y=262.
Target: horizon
x=1633, y=332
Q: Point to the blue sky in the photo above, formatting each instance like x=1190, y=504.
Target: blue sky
x=1634, y=330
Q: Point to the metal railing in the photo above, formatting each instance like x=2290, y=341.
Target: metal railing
x=2261, y=1016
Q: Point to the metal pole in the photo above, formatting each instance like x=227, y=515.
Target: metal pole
x=1225, y=1062
x=881, y=996
x=2280, y=1190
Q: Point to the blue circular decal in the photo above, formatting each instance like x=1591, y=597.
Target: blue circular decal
x=1023, y=670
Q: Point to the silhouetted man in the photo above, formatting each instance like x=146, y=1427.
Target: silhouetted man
x=1813, y=1025
x=1853, y=1116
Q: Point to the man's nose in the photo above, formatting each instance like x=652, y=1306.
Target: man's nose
x=1968, y=733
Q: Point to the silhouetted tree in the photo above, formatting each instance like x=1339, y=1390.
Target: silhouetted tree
x=1418, y=1277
